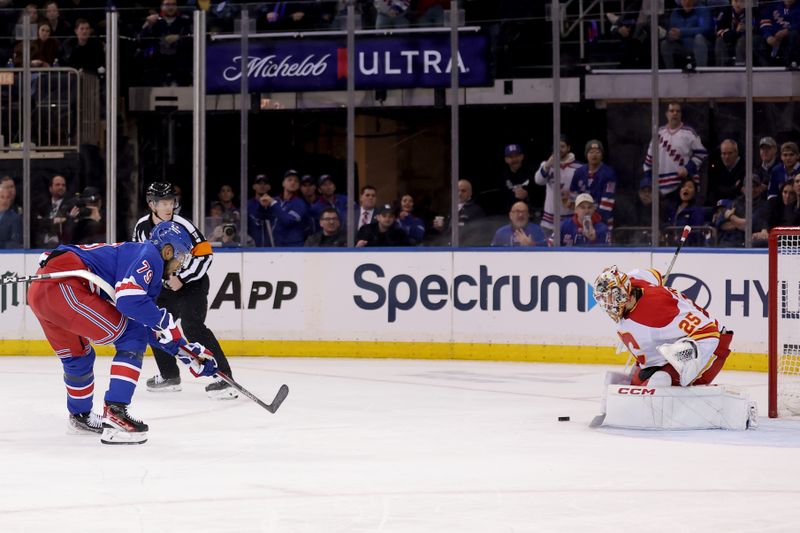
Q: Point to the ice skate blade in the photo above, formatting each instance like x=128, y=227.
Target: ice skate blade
x=168, y=388
x=116, y=436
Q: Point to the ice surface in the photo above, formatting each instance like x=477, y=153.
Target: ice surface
x=386, y=446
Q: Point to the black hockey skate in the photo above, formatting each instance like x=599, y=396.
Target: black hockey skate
x=119, y=427
x=161, y=384
x=89, y=423
x=221, y=390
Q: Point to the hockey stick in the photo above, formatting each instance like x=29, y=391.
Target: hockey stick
x=283, y=391
x=684, y=235
x=85, y=274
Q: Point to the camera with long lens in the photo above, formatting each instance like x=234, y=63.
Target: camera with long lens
x=81, y=202
x=229, y=230
x=89, y=196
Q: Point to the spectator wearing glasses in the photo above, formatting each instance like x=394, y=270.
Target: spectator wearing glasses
x=331, y=235
x=521, y=231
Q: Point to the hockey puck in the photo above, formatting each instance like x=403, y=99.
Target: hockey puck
x=563, y=419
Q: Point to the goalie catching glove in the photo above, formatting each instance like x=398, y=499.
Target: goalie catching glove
x=684, y=357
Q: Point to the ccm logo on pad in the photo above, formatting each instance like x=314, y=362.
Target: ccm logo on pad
x=636, y=392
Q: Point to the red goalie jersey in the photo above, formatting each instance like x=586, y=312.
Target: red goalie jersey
x=662, y=315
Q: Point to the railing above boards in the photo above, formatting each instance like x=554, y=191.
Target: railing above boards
x=65, y=110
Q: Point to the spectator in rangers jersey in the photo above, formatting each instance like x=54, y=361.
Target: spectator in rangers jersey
x=521, y=231
x=674, y=341
x=288, y=212
x=788, y=169
x=546, y=176
x=597, y=179
x=585, y=227
x=680, y=152
x=780, y=23
x=185, y=293
x=74, y=316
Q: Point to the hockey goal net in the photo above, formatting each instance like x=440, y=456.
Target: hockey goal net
x=784, y=322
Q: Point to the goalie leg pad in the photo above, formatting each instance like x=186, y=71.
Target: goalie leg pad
x=700, y=407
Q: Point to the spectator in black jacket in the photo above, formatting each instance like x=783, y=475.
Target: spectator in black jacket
x=83, y=52
x=331, y=234
x=383, y=231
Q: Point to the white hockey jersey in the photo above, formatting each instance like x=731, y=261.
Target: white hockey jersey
x=663, y=316
x=546, y=177
x=680, y=147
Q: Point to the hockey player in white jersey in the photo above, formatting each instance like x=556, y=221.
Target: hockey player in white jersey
x=674, y=341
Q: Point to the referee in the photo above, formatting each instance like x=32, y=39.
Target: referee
x=184, y=294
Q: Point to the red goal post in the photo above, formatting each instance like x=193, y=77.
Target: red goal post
x=784, y=322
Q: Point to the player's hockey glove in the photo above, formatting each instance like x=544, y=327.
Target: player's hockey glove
x=200, y=360
x=167, y=330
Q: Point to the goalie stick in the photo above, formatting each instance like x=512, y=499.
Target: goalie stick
x=93, y=278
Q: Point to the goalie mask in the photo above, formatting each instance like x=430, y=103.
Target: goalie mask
x=612, y=291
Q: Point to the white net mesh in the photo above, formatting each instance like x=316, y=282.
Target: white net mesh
x=788, y=322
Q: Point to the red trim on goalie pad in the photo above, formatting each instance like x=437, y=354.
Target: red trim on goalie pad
x=722, y=352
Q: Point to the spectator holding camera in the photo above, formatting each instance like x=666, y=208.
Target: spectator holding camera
x=88, y=223
x=50, y=216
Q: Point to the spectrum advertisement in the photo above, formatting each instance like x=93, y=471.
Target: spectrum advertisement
x=480, y=297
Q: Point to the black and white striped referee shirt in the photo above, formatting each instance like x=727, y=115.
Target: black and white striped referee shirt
x=202, y=254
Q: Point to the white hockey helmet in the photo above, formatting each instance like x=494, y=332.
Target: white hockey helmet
x=612, y=291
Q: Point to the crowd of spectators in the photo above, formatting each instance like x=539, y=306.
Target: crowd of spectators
x=700, y=33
